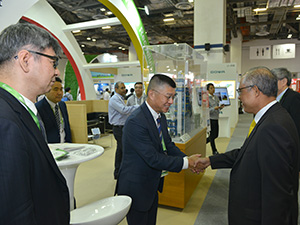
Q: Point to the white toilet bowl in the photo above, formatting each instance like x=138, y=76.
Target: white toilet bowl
x=108, y=211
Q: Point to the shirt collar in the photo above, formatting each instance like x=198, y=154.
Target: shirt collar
x=52, y=104
x=155, y=115
x=278, y=98
x=30, y=104
x=261, y=112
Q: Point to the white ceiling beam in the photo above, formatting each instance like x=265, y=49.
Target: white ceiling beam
x=93, y=24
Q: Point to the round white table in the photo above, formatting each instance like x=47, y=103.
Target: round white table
x=77, y=153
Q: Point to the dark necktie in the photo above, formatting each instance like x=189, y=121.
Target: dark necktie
x=159, y=128
x=42, y=126
x=57, y=118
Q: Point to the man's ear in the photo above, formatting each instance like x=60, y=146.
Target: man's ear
x=24, y=58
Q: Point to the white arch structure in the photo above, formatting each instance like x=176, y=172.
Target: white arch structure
x=39, y=12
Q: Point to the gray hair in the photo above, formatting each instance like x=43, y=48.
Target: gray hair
x=263, y=78
x=282, y=73
x=117, y=84
x=21, y=36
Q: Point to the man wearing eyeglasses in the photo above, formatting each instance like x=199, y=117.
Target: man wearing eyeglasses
x=264, y=171
x=118, y=112
x=33, y=190
x=148, y=152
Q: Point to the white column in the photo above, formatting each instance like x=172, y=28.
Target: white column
x=210, y=27
x=132, y=56
x=236, y=52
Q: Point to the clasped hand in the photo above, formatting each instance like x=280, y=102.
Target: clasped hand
x=197, y=164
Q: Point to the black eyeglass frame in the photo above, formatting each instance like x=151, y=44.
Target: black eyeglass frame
x=168, y=97
x=239, y=90
x=55, y=58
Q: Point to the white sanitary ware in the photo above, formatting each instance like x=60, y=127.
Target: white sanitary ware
x=108, y=211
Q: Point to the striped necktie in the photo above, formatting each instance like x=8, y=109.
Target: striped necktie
x=159, y=128
x=252, y=125
x=57, y=117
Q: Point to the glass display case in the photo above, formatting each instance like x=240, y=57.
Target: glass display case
x=189, y=113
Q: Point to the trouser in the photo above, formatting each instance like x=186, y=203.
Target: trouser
x=214, y=133
x=118, y=131
x=135, y=217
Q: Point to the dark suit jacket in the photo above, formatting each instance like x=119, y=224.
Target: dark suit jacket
x=264, y=176
x=49, y=121
x=32, y=188
x=291, y=102
x=143, y=158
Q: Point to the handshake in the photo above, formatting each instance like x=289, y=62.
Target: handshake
x=197, y=164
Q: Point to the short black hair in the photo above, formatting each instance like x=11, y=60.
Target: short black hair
x=160, y=80
x=58, y=79
x=208, y=85
x=67, y=89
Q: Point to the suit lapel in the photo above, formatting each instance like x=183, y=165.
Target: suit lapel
x=28, y=122
x=249, y=139
x=151, y=123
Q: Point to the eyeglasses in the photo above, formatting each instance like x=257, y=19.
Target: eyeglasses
x=54, y=58
x=167, y=96
x=239, y=90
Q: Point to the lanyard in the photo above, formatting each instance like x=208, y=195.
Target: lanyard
x=21, y=99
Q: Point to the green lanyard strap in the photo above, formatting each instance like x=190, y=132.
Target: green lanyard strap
x=21, y=99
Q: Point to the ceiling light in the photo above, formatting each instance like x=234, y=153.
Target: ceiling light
x=296, y=6
x=94, y=39
x=76, y=31
x=191, y=1
x=259, y=9
x=168, y=19
x=82, y=46
x=123, y=49
x=106, y=27
x=298, y=18
x=168, y=14
x=102, y=9
x=289, y=35
x=109, y=13
x=88, y=38
x=146, y=9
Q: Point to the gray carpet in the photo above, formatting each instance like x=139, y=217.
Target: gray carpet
x=214, y=208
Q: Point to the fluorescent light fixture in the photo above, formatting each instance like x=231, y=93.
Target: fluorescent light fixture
x=296, y=6
x=88, y=38
x=106, y=27
x=94, y=39
x=82, y=46
x=123, y=49
x=109, y=13
x=168, y=19
x=298, y=18
x=289, y=35
x=169, y=15
x=191, y=1
x=120, y=47
x=146, y=10
x=259, y=9
x=76, y=31
x=102, y=9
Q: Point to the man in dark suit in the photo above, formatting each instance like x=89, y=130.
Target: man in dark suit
x=147, y=152
x=57, y=124
x=33, y=190
x=289, y=99
x=264, y=176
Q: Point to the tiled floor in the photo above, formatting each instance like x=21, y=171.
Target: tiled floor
x=94, y=181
